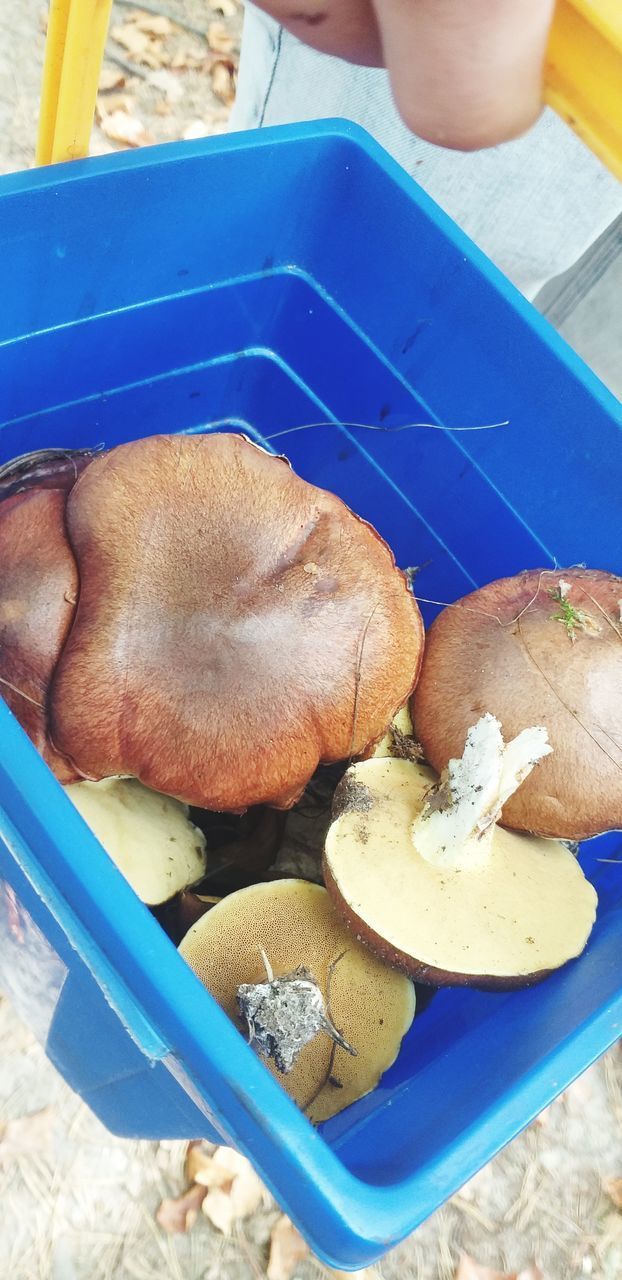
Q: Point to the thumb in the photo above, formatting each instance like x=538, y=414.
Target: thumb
x=465, y=73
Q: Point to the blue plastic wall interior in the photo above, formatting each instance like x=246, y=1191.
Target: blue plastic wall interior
x=261, y=283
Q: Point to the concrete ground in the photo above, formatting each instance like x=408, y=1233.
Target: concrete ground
x=78, y=1204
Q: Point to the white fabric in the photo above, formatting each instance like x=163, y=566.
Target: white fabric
x=534, y=205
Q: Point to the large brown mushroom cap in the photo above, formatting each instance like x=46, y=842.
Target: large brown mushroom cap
x=296, y=924
x=542, y=648
x=236, y=625
x=38, y=592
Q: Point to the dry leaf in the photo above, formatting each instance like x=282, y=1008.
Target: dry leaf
x=152, y=24
x=247, y=1193
x=218, y=1208
x=187, y=59
x=198, y=1157
x=613, y=1188
x=223, y=81
x=26, y=1135
x=580, y=1094
x=287, y=1249
x=178, y=1216
x=127, y=129
x=469, y=1269
x=135, y=42
x=219, y=38
x=110, y=78
x=196, y=129
x=140, y=46
x=168, y=83
x=115, y=102
x=228, y=8
x=232, y=1161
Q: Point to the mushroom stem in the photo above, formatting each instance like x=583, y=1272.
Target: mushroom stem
x=456, y=824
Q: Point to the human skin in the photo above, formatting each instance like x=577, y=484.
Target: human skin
x=465, y=74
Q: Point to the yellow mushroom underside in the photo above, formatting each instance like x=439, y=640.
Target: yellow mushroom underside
x=148, y=836
x=296, y=924
x=529, y=908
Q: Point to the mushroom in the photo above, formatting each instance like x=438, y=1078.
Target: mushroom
x=235, y=626
x=242, y=846
x=148, y=836
x=38, y=592
x=43, y=469
x=422, y=873
x=544, y=647
x=399, y=740
x=361, y=1005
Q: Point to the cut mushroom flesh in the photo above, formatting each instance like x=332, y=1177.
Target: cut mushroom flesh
x=503, y=919
x=148, y=835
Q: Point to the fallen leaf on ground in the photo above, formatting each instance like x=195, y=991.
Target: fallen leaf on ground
x=247, y=1193
x=218, y=1208
x=219, y=38
x=469, y=1269
x=168, y=83
x=206, y=1173
x=613, y=1188
x=187, y=59
x=196, y=129
x=110, y=78
x=580, y=1093
x=115, y=102
x=223, y=81
x=228, y=1158
x=152, y=24
x=26, y=1135
x=179, y=1215
x=228, y=8
x=127, y=129
x=140, y=46
x=287, y=1249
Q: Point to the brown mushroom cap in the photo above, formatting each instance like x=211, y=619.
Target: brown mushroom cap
x=296, y=924
x=43, y=469
x=236, y=625
x=38, y=592
x=531, y=652
x=506, y=923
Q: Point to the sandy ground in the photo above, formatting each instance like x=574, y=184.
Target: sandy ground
x=78, y=1204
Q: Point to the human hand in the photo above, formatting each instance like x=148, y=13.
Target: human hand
x=465, y=73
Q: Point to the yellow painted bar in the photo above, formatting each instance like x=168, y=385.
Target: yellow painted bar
x=70, y=86
x=583, y=76
x=58, y=16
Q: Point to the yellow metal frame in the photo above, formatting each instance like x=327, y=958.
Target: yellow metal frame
x=74, y=53
x=583, y=77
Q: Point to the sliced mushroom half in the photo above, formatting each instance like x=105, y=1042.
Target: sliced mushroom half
x=421, y=871
x=148, y=835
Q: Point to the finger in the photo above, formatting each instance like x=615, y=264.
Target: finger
x=465, y=73
x=345, y=28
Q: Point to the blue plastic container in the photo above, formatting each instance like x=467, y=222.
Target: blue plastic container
x=264, y=282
